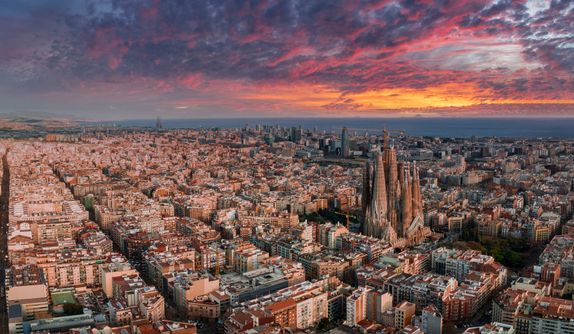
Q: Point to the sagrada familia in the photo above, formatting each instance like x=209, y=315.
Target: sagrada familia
x=392, y=200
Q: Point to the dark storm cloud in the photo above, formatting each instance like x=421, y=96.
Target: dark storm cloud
x=351, y=46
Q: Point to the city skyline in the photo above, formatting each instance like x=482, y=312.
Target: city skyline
x=287, y=166
x=266, y=228
x=218, y=59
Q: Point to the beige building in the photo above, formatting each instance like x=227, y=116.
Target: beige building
x=151, y=304
x=111, y=270
x=357, y=306
x=187, y=287
x=404, y=313
x=249, y=259
x=33, y=299
x=312, y=306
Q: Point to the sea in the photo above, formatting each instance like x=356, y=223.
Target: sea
x=433, y=127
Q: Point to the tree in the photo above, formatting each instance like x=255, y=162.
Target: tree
x=73, y=309
x=323, y=325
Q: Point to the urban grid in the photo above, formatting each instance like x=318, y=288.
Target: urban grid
x=267, y=229
x=287, y=166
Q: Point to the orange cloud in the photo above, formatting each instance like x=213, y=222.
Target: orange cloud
x=317, y=99
x=446, y=95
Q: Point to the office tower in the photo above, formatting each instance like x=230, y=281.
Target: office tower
x=345, y=149
x=296, y=134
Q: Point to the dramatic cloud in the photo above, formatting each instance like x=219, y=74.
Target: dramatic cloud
x=122, y=58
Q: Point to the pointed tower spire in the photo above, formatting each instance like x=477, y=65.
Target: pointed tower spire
x=391, y=172
x=379, y=199
x=406, y=201
x=375, y=214
x=416, y=193
x=385, y=138
x=366, y=198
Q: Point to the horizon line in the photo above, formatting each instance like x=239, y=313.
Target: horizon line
x=327, y=117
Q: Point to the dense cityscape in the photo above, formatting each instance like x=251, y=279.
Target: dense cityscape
x=267, y=229
x=287, y=166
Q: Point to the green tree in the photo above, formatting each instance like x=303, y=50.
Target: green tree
x=323, y=325
x=73, y=309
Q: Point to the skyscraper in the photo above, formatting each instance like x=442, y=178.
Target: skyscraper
x=296, y=134
x=345, y=149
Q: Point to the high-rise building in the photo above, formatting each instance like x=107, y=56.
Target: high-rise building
x=345, y=148
x=296, y=134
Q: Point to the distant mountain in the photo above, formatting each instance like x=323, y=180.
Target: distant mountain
x=30, y=120
x=35, y=115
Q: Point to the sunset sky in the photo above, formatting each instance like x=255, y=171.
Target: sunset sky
x=287, y=58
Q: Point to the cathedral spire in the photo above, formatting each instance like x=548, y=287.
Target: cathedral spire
x=379, y=199
x=406, y=201
x=366, y=198
x=385, y=139
x=376, y=223
x=416, y=193
x=392, y=200
x=393, y=190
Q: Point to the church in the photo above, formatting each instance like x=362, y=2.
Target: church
x=392, y=200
